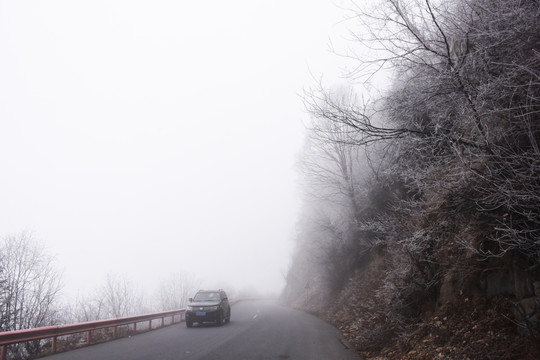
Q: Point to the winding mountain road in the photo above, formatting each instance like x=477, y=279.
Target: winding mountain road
x=258, y=330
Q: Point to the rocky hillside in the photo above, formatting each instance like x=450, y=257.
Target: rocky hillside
x=420, y=234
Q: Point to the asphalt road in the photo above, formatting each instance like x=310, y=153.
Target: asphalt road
x=258, y=330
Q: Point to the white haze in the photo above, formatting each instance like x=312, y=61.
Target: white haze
x=144, y=138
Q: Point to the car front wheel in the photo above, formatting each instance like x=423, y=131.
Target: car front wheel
x=219, y=321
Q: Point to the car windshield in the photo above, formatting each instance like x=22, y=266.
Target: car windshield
x=206, y=296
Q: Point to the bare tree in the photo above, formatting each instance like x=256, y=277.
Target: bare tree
x=88, y=308
x=118, y=297
x=175, y=290
x=30, y=286
x=342, y=196
x=331, y=173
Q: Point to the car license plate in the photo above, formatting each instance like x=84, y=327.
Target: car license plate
x=201, y=313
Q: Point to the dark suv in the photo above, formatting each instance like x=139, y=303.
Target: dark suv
x=208, y=306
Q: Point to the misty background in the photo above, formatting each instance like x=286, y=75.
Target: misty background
x=143, y=139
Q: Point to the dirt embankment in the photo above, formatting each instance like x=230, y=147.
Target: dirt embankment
x=469, y=326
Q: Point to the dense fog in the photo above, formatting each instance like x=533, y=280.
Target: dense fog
x=147, y=141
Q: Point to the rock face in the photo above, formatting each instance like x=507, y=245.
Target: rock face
x=527, y=311
x=521, y=287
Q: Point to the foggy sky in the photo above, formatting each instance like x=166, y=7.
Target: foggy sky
x=142, y=138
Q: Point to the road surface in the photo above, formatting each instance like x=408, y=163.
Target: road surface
x=258, y=330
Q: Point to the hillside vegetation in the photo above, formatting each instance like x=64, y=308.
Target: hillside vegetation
x=420, y=230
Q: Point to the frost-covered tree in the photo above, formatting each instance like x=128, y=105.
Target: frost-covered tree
x=463, y=111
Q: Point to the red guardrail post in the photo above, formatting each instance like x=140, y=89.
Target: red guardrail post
x=3, y=354
x=53, y=344
x=88, y=337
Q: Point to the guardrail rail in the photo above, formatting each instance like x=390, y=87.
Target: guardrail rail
x=19, y=336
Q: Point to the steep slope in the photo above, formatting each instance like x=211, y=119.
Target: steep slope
x=428, y=245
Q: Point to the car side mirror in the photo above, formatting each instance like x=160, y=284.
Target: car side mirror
x=190, y=299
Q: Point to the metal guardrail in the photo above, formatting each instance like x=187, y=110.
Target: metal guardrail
x=18, y=336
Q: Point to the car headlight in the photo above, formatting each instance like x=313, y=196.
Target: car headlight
x=212, y=308
x=189, y=308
